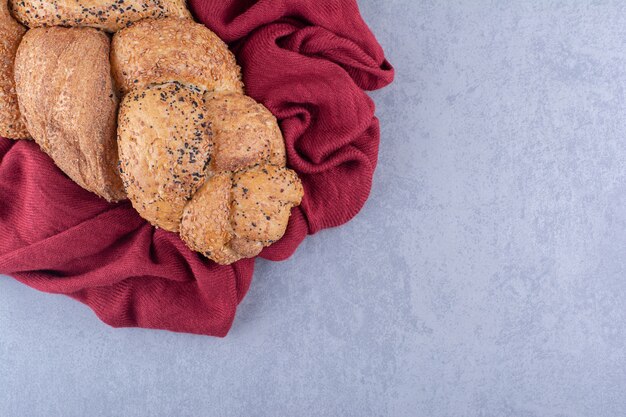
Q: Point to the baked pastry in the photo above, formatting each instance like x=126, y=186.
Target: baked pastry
x=192, y=153
x=235, y=214
x=157, y=51
x=245, y=133
x=247, y=198
x=197, y=156
x=108, y=15
x=11, y=32
x=165, y=144
x=229, y=205
x=65, y=91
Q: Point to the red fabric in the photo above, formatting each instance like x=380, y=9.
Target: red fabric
x=308, y=62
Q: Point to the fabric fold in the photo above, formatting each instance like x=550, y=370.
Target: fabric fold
x=309, y=63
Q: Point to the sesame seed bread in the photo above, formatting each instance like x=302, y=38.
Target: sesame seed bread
x=236, y=196
x=165, y=144
x=246, y=200
x=65, y=91
x=192, y=153
x=108, y=15
x=155, y=51
x=235, y=215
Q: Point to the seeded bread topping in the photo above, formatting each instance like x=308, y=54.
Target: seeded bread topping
x=246, y=133
x=65, y=91
x=235, y=215
x=162, y=50
x=165, y=144
x=108, y=15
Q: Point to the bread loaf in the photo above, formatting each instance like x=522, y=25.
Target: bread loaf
x=235, y=214
x=11, y=32
x=229, y=202
x=247, y=199
x=163, y=50
x=192, y=153
x=108, y=15
x=65, y=92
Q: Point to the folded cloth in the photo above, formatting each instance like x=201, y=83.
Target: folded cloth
x=308, y=62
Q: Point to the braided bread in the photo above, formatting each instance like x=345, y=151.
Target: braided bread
x=235, y=214
x=218, y=177
x=157, y=115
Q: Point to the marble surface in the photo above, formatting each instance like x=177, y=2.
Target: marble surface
x=486, y=276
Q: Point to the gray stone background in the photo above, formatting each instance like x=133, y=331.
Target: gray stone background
x=484, y=277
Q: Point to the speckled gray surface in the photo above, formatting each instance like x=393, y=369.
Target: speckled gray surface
x=485, y=277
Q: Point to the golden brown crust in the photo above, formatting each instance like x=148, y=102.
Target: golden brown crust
x=65, y=91
x=163, y=50
x=206, y=224
x=245, y=133
x=11, y=32
x=246, y=203
x=164, y=145
x=108, y=15
x=176, y=8
x=262, y=199
x=233, y=216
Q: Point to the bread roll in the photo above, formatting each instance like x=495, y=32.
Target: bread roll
x=164, y=146
x=11, y=32
x=108, y=15
x=245, y=133
x=246, y=201
x=66, y=95
x=163, y=50
x=235, y=215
